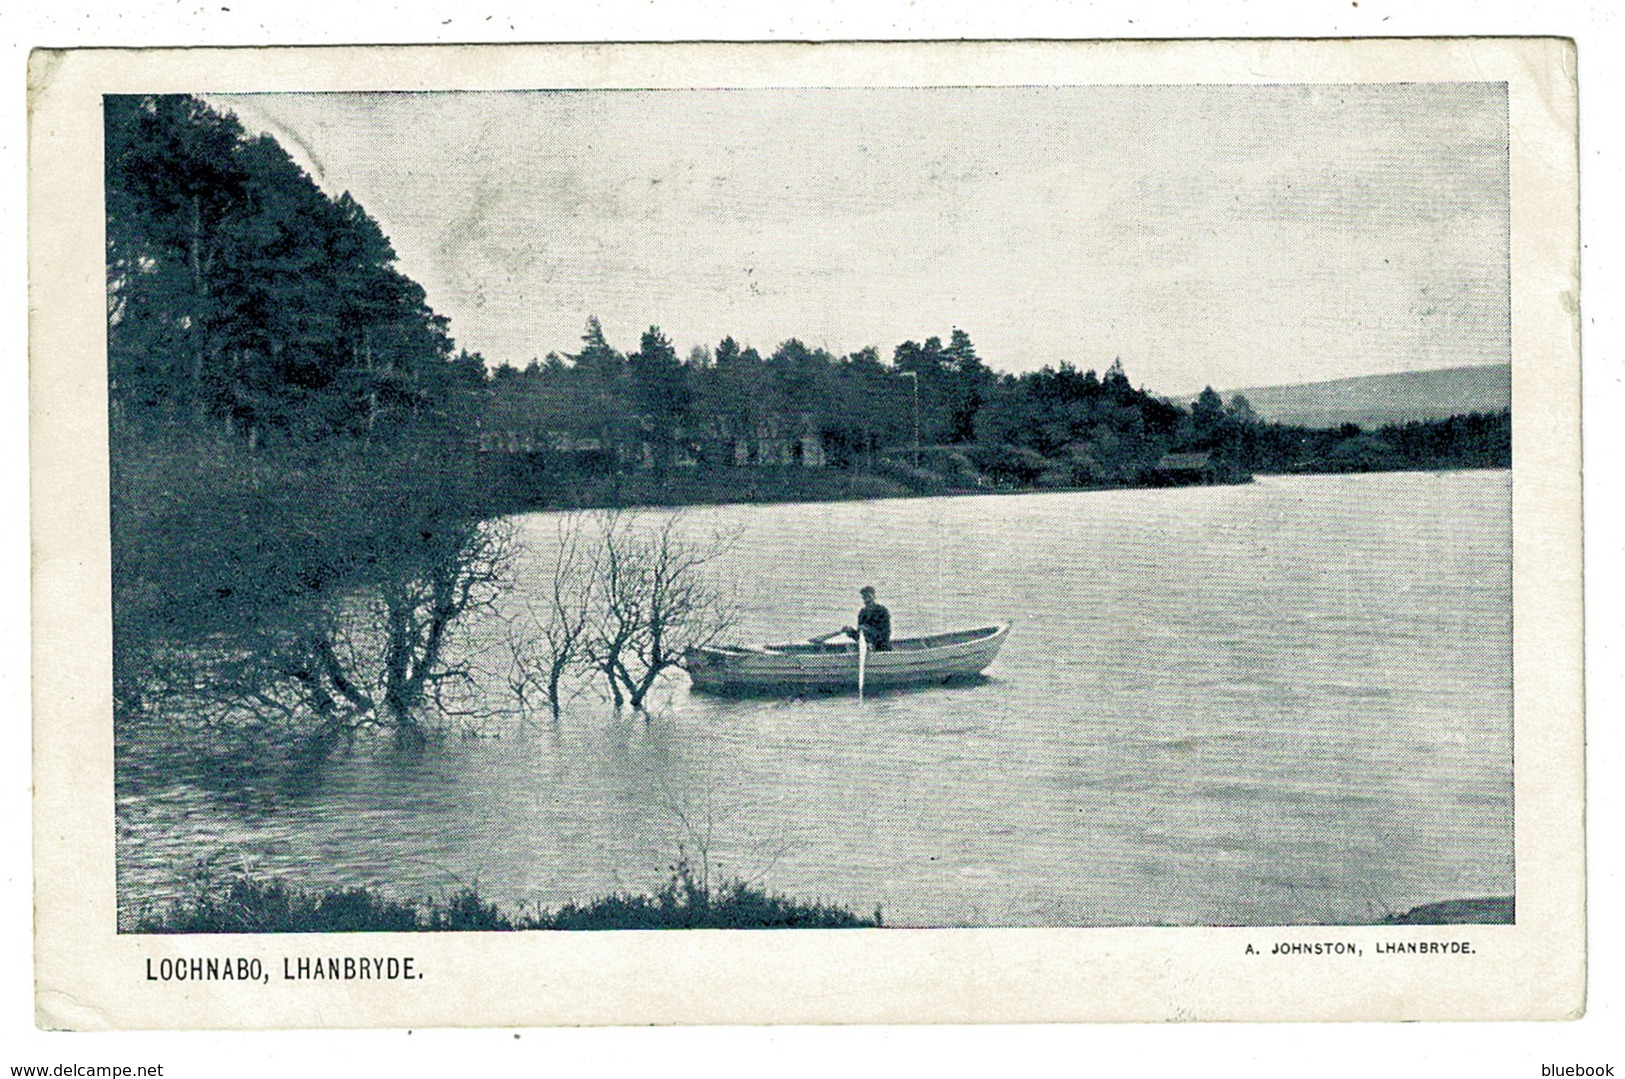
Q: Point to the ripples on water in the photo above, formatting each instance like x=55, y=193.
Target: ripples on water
x=1280, y=703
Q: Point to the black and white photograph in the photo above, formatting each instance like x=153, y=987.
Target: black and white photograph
x=1039, y=506
x=561, y=511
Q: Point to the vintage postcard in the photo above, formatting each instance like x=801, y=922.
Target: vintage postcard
x=973, y=532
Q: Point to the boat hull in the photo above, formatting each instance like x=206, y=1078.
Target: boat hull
x=833, y=668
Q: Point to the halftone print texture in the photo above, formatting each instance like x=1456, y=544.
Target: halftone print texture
x=469, y=450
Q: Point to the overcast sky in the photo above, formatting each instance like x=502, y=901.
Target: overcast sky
x=1226, y=235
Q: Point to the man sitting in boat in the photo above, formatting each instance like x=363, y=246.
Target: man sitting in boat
x=874, y=622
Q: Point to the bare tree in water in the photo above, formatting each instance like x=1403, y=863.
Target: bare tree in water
x=654, y=602
x=552, y=636
x=416, y=609
x=375, y=656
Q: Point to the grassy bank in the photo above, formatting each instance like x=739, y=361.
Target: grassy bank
x=1491, y=910
x=246, y=905
x=519, y=483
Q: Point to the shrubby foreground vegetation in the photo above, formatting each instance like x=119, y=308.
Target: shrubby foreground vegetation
x=686, y=901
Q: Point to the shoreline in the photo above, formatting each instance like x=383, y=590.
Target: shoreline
x=850, y=486
x=1486, y=910
x=244, y=904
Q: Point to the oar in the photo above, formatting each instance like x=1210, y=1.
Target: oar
x=825, y=637
x=863, y=651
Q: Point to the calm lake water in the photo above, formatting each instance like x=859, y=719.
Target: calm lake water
x=1288, y=702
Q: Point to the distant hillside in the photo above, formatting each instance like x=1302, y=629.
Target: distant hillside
x=1374, y=400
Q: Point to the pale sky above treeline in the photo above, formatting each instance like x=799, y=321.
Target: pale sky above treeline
x=1226, y=235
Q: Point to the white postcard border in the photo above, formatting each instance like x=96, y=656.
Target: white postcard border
x=90, y=977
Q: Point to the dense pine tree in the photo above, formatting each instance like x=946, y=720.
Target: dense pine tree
x=240, y=295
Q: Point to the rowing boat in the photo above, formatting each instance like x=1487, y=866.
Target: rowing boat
x=833, y=667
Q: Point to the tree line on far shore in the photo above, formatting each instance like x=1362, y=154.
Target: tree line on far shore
x=934, y=417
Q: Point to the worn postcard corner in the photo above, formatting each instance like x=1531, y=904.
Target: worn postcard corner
x=971, y=532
